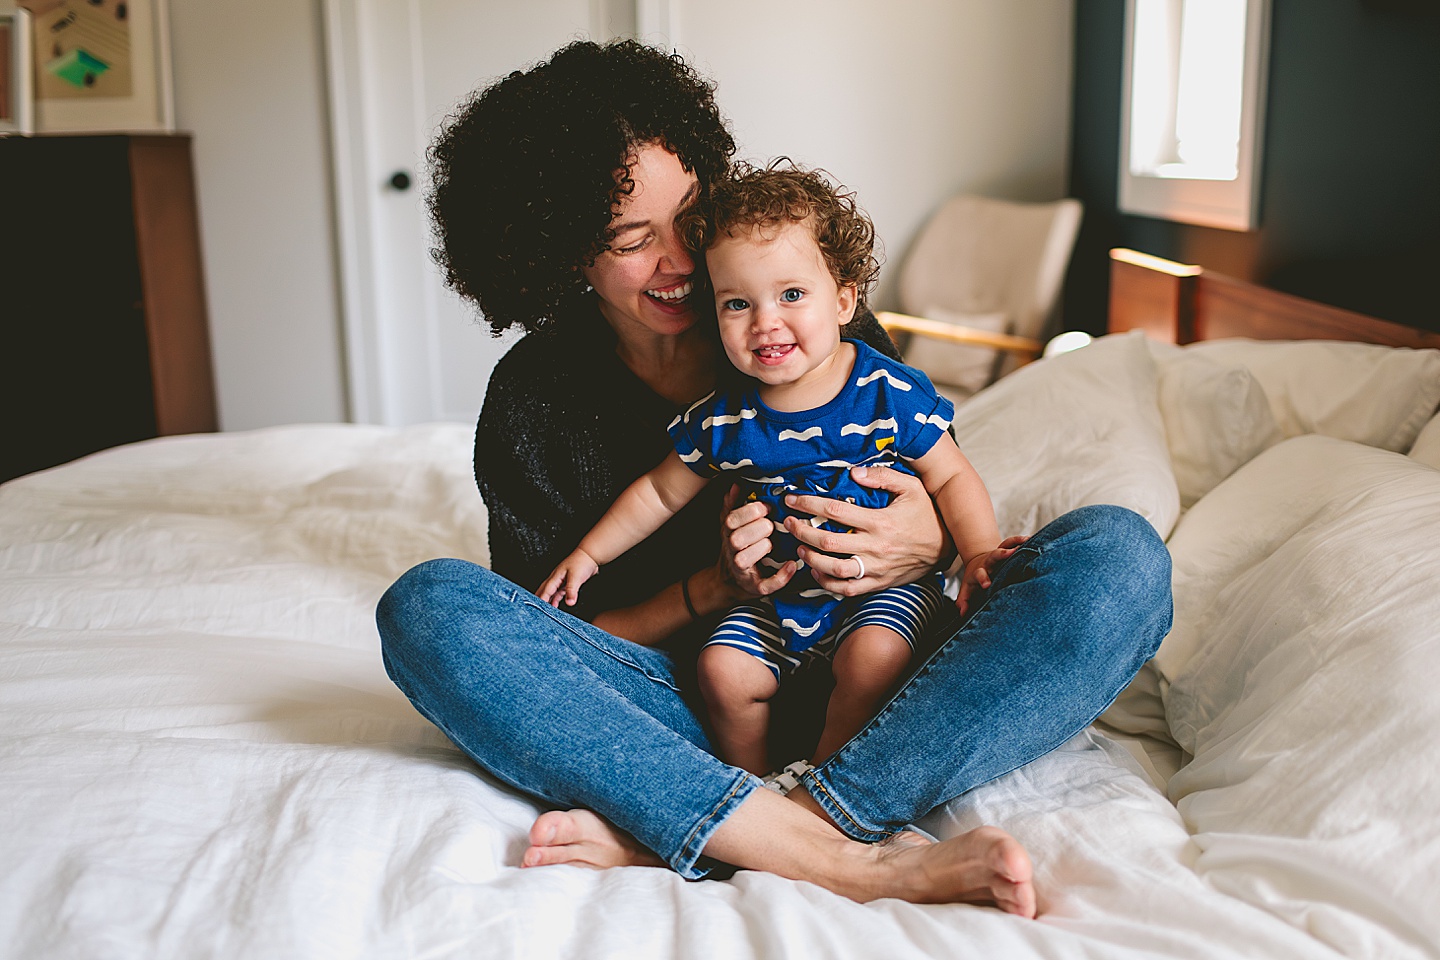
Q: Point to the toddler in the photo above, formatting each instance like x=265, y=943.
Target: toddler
x=789, y=259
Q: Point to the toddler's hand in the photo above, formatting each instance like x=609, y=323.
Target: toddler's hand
x=565, y=581
x=979, y=568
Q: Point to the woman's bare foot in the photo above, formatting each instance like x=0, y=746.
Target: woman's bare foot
x=984, y=866
x=581, y=837
x=784, y=835
x=905, y=838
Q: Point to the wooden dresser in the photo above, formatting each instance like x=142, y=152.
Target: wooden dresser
x=103, y=331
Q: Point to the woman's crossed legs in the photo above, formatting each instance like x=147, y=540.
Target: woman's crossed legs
x=561, y=710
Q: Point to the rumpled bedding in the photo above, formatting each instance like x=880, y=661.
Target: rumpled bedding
x=201, y=755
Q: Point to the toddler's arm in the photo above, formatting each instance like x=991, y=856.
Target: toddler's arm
x=638, y=512
x=964, y=502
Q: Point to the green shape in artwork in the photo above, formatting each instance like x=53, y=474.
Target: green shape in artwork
x=75, y=66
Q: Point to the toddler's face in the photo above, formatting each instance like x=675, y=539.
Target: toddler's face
x=780, y=310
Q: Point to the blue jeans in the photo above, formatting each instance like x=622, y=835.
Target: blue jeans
x=566, y=712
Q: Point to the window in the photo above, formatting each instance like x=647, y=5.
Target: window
x=1191, y=117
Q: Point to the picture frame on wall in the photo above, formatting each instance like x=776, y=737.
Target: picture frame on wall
x=100, y=66
x=17, y=105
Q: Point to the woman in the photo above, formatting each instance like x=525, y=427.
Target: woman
x=556, y=196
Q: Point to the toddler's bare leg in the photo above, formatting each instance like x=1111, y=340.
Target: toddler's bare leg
x=737, y=689
x=869, y=663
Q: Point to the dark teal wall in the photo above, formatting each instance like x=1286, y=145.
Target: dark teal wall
x=1350, y=179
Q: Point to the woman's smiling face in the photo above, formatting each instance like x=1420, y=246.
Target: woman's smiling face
x=644, y=279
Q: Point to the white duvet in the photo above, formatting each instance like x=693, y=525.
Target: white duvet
x=201, y=755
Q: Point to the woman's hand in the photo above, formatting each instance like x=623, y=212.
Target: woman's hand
x=896, y=544
x=981, y=569
x=744, y=541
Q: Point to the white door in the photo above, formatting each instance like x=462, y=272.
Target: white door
x=415, y=351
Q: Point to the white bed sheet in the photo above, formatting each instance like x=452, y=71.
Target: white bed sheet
x=202, y=757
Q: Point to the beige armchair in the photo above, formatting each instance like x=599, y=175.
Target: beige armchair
x=979, y=288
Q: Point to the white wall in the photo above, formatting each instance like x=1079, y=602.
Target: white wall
x=250, y=87
x=905, y=102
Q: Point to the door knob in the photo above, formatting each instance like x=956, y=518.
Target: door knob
x=400, y=180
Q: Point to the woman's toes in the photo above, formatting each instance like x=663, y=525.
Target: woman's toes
x=1010, y=860
x=547, y=828
x=1016, y=898
x=582, y=837
x=1013, y=886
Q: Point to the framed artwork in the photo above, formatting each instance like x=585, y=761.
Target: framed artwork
x=17, y=113
x=100, y=65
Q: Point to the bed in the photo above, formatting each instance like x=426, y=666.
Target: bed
x=201, y=755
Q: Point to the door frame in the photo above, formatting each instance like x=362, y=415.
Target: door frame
x=374, y=84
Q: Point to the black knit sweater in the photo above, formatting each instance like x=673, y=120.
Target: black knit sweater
x=565, y=428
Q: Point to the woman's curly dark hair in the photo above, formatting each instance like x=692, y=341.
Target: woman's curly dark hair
x=524, y=178
x=783, y=192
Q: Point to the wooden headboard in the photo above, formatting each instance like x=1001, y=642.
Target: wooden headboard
x=1181, y=303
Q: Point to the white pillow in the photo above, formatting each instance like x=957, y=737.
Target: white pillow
x=1378, y=396
x=1303, y=671
x=1216, y=417
x=1427, y=445
x=1262, y=513
x=1072, y=430
x=964, y=368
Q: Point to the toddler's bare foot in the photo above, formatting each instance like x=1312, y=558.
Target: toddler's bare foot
x=581, y=837
x=984, y=866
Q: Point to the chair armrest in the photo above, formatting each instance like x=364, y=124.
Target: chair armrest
x=1024, y=347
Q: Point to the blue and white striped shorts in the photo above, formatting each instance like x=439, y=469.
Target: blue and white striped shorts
x=754, y=628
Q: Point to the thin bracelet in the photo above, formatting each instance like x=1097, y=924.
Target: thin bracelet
x=685, y=595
